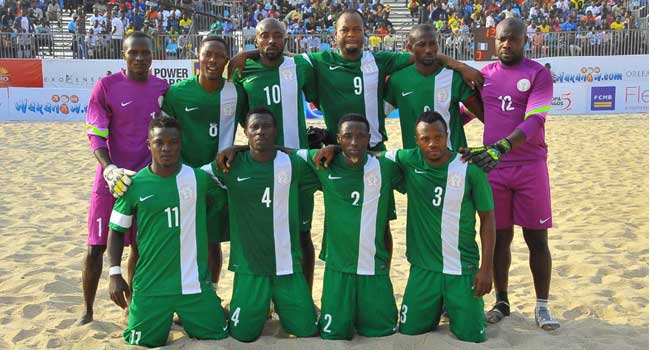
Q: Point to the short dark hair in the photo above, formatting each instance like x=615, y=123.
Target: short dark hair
x=354, y=117
x=211, y=37
x=349, y=11
x=425, y=28
x=164, y=121
x=260, y=110
x=135, y=35
x=430, y=117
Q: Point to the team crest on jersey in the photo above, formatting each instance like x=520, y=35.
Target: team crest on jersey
x=186, y=192
x=229, y=108
x=523, y=85
x=441, y=95
x=368, y=67
x=287, y=74
x=371, y=180
x=454, y=180
x=282, y=177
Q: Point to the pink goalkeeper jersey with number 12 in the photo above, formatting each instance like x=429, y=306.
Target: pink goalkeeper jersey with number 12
x=517, y=97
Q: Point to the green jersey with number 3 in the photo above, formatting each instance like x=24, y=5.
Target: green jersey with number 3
x=346, y=86
x=414, y=93
x=172, y=237
x=441, y=217
x=264, y=212
x=208, y=120
x=357, y=206
x=280, y=89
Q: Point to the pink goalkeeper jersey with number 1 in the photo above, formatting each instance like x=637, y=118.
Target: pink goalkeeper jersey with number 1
x=517, y=97
x=119, y=112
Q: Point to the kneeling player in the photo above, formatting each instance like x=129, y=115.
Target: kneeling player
x=263, y=187
x=357, y=188
x=444, y=195
x=169, y=201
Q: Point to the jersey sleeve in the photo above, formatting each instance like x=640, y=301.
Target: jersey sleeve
x=310, y=88
x=168, y=103
x=98, y=118
x=389, y=92
x=242, y=104
x=122, y=214
x=461, y=90
x=539, y=103
x=308, y=180
x=396, y=176
x=391, y=62
x=480, y=188
x=215, y=195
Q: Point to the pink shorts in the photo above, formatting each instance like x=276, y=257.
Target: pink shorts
x=522, y=196
x=99, y=213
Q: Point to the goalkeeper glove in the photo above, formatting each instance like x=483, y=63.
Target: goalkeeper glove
x=118, y=179
x=487, y=157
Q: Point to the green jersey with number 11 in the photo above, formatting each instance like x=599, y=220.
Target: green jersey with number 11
x=172, y=238
x=441, y=217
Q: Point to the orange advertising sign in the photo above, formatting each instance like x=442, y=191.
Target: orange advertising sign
x=21, y=73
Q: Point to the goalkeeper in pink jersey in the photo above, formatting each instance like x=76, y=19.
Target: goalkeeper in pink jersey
x=119, y=111
x=516, y=96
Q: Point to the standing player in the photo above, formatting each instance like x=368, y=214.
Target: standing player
x=357, y=188
x=428, y=86
x=444, y=195
x=169, y=200
x=119, y=111
x=277, y=83
x=263, y=188
x=517, y=95
x=207, y=107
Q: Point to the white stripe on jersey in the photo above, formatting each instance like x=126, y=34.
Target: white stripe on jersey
x=442, y=97
x=120, y=219
x=208, y=169
x=281, y=230
x=289, y=90
x=303, y=153
x=392, y=155
x=227, y=115
x=370, y=76
x=187, y=193
x=368, y=229
x=450, y=221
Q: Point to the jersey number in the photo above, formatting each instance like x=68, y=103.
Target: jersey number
x=172, y=223
x=328, y=322
x=135, y=337
x=99, y=226
x=506, y=103
x=234, y=318
x=266, y=197
x=358, y=85
x=437, y=196
x=213, y=130
x=427, y=108
x=272, y=94
x=355, y=196
x=402, y=315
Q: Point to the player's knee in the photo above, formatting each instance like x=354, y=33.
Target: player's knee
x=536, y=242
x=96, y=251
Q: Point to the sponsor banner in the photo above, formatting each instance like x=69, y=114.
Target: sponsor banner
x=600, y=70
x=21, y=73
x=568, y=100
x=85, y=73
x=32, y=104
x=4, y=103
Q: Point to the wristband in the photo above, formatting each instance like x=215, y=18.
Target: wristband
x=114, y=270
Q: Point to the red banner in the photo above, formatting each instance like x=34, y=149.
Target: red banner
x=21, y=73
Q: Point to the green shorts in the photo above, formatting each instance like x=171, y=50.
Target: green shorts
x=350, y=300
x=150, y=318
x=218, y=225
x=425, y=293
x=252, y=295
x=306, y=200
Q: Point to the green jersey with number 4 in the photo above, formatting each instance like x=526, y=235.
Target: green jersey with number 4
x=414, y=93
x=357, y=207
x=172, y=237
x=264, y=212
x=280, y=89
x=441, y=217
x=346, y=86
x=208, y=120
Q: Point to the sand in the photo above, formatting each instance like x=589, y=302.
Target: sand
x=599, y=178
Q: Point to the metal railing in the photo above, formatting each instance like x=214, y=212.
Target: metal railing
x=461, y=47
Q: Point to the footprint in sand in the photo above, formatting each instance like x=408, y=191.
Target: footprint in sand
x=24, y=334
x=31, y=311
x=65, y=323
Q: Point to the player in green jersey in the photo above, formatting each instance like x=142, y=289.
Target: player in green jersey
x=208, y=107
x=428, y=86
x=169, y=201
x=444, y=194
x=357, y=187
x=277, y=83
x=263, y=188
